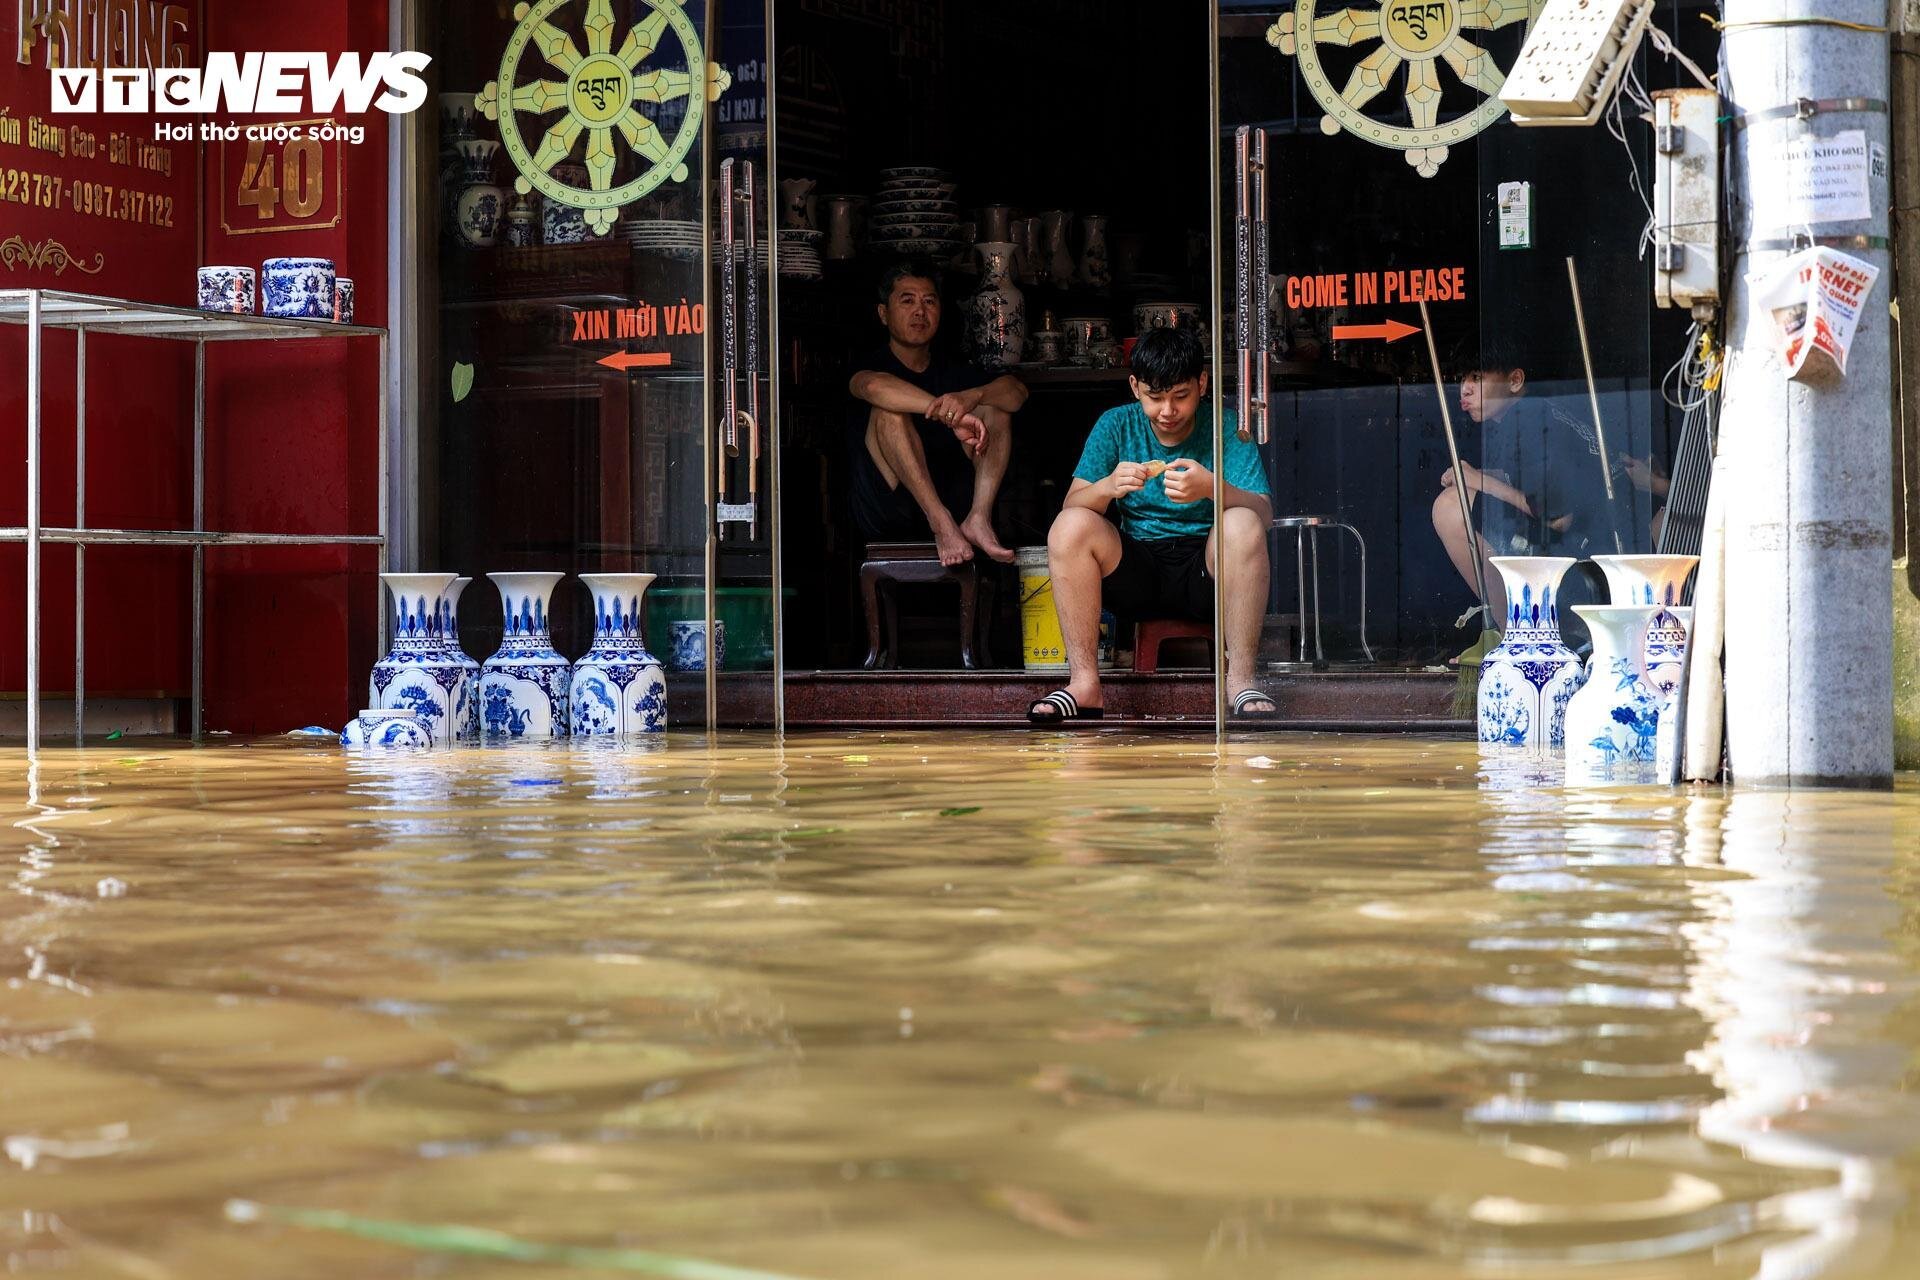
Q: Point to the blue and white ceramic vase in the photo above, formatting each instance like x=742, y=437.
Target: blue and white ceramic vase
x=418, y=674
x=386, y=730
x=524, y=685
x=469, y=721
x=229, y=289
x=1614, y=721
x=618, y=688
x=1668, y=748
x=1526, y=680
x=481, y=205
x=1660, y=580
x=689, y=645
x=297, y=288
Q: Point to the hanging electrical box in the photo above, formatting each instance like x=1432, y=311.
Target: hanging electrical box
x=1686, y=197
x=1573, y=59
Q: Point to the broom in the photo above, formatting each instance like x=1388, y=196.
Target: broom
x=1466, y=685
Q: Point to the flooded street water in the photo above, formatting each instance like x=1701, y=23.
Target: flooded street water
x=946, y=1006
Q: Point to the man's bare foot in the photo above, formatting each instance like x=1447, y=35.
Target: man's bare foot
x=979, y=531
x=953, y=545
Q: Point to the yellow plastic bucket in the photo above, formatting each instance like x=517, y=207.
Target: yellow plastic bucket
x=1041, y=644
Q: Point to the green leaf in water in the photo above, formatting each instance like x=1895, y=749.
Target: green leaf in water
x=114, y=735
x=961, y=812
x=806, y=833
x=479, y=1242
x=462, y=380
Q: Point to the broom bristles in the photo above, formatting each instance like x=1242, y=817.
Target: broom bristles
x=1466, y=685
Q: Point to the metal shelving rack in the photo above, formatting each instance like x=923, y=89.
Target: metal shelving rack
x=43, y=309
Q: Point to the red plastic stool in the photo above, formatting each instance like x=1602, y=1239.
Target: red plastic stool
x=1149, y=636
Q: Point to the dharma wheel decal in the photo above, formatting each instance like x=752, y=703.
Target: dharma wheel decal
x=1416, y=35
x=602, y=93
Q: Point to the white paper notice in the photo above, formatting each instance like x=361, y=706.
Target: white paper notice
x=1816, y=298
x=1516, y=214
x=1801, y=181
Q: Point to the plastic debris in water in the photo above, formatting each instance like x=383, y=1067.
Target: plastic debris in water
x=111, y=887
x=312, y=731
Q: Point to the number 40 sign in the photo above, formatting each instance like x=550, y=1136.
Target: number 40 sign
x=281, y=183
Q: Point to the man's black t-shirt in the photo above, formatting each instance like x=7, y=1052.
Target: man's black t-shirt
x=1553, y=457
x=885, y=512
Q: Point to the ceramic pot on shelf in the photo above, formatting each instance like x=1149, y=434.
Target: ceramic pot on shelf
x=842, y=214
x=797, y=204
x=1096, y=271
x=418, y=674
x=1527, y=679
x=524, y=685
x=1655, y=580
x=996, y=316
x=478, y=211
x=996, y=223
x=1089, y=339
x=1033, y=268
x=689, y=644
x=523, y=226
x=469, y=723
x=1059, y=258
x=229, y=289
x=1613, y=722
x=617, y=686
x=297, y=288
x=563, y=223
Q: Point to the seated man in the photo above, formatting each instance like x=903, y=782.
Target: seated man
x=1136, y=534
x=1543, y=476
x=931, y=436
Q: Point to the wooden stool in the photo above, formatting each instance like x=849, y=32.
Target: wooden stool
x=889, y=562
x=1149, y=636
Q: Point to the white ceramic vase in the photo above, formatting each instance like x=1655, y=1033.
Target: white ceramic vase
x=469, y=722
x=1059, y=258
x=1656, y=580
x=996, y=316
x=524, y=685
x=1096, y=270
x=617, y=686
x=1527, y=679
x=1614, y=721
x=418, y=674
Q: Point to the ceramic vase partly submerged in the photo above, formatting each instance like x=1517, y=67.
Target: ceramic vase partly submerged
x=469, y=725
x=386, y=730
x=618, y=688
x=1526, y=681
x=419, y=674
x=1614, y=721
x=1657, y=580
x=524, y=685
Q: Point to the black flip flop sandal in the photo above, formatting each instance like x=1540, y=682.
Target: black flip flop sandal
x=1064, y=710
x=1241, y=699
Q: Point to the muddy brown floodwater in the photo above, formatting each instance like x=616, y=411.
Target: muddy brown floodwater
x=948, y=1006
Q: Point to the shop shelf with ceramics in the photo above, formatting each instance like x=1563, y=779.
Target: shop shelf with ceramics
x=1614, y=720
x=617, y=688
x=1527, y=680
x=1662, y=581
x=418, y=673
x=524, y=686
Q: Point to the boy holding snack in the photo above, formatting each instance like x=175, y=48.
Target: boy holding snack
x=1136, y=533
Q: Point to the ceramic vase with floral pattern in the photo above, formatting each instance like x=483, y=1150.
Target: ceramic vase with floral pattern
x=469, y=726
x=996, y=316
x=524, y=685
x=1526, y=680
x=1658, y=580
x=1614, y=721
x=617, y=686
x=418, y=674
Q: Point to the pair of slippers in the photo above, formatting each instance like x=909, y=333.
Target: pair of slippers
x=1061, y=707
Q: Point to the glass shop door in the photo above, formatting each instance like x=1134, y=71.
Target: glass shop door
x=601, y=311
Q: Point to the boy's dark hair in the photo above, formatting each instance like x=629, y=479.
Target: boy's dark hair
x=908, y=269
x=1164, y=358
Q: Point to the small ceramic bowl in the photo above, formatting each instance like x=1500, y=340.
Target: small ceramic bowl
x=227, y=289
x=297, y=288
x=689, y=645
x=388, y=730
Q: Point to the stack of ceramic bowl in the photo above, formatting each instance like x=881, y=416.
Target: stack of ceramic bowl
x=800, y=253
x=914, y=214
x=663, y=236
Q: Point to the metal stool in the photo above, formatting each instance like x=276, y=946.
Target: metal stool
x=1307, y=529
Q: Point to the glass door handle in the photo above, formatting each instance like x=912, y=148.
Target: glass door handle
x=1242, y=279
x=752, y=416
x=1262, y=320
x=729, y=426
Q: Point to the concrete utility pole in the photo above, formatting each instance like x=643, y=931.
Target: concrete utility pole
x=1809, y=615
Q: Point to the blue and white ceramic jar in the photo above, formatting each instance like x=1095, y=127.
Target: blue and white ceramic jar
x=1526, y=680
x=690, y=645
x=467, y=724
x=342, y=301
x=1614, y=721
x=524, y=686
x=481, y=205
x=228, y=289
x=418, y=674
x=617, y=685
x=1659, y=580
x=297, y=288
x=563, y=223
x=387, y=730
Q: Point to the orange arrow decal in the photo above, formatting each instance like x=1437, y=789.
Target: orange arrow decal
x=1392, y=331
x=625, y=360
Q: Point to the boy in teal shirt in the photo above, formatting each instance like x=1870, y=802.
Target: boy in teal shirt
x=1136, y=534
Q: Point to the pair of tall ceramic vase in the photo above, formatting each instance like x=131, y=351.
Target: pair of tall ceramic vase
x=526, y=689
x=1613, y=714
